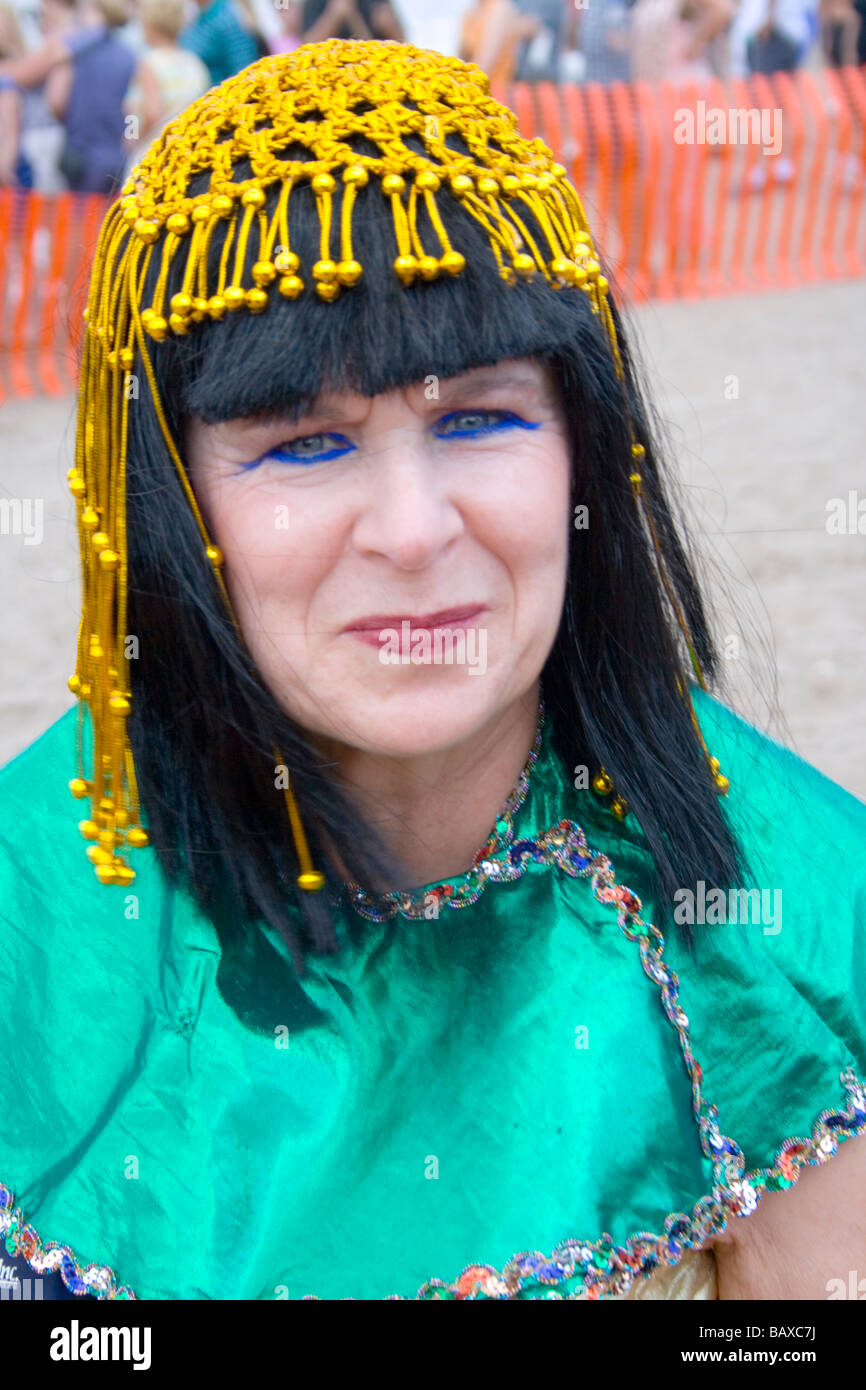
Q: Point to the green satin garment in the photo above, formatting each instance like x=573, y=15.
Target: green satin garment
x=440, y=1094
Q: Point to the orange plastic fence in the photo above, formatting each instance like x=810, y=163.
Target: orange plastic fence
x=681, y=197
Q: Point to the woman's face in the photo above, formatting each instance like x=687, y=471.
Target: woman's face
x=397, y=563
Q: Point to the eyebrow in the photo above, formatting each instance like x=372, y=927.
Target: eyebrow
x=476, y=379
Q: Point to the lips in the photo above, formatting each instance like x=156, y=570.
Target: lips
x=445, y=617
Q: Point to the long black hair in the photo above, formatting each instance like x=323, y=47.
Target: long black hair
x=204, y=723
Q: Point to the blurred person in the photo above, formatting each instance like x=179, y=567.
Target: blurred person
x=539, y=57
x=839, y=27
x=219, y=37
x=15, y=169
x=90, y=69
x=603, y=36
x=770, y=36
x=290, y=16
x=492, y=34
x=168, y=78
x=350, y=19
x=671, y=40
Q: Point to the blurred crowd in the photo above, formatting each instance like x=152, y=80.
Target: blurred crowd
x=87, y=85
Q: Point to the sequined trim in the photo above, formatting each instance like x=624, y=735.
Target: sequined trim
x=465, y=890
x=576, y=1269
x=21, y=1239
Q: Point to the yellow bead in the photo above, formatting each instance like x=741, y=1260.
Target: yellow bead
x=146, y=231
x=77, y=485
x=216, y=306
x=311, y=882
x=561, y=268
x=325, y=271
x=106, y=873
x=619, y=807
x=544, y=183
x=234, y=296
x=215, y=555
x=511, y=184
x=714, y=762
x=461, y=184
x=121, y=817
x=592, y=268
x=488, y=186
x=287, y=263
x=89, y=829
x=428, y=180
x=201, y=213
x=559, y=170
x=257, y=300
x=199, y=310
x=178, y=325
x=98, y=854
x=85, y=691
x=79, y=787
x=127, y=357
x=524, y=265
x=638, y=452
x=181, y=304
x=74, y=684
x=428, y=267
x=119, y=704
x=601, y=282
x=290, y=287
x=137, y=837
x=253, y=198
x=100, y=540
x=407, y=268
x=111, y=359
x=528, y=181
x=356, y=174
x=452, y=262
x=178, y=223
x=108, y=839
x=90, y=518
x=130, y=214
x=109, y=560
x=158, y=328
x=223, y=205
x=602, y=784
x=393, y=183
x=327, y=291
x=123, y=873
x=106, y=803
x=723, y=784
x=349, y=272
x=324, y=183
x=264, y=273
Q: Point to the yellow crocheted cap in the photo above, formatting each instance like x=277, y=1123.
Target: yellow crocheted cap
x=322, y=97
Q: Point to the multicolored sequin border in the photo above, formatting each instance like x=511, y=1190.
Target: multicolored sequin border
x=576, y=1269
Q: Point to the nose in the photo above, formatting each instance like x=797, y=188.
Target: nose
x=407, y=515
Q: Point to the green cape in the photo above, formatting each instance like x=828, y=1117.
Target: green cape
x=500, y=1087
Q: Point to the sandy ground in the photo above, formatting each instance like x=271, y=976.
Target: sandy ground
x=764, y=398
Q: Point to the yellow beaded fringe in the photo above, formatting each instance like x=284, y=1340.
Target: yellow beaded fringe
x=311, y=96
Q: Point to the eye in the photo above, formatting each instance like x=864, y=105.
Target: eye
x=468, y=423
x=310, y=448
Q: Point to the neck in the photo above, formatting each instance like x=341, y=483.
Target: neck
x=435, y=810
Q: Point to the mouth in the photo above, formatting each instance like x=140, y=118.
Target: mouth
x=369, y=629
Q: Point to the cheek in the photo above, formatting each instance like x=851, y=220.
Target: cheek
x=533, y=501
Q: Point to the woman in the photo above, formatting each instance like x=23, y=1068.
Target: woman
x=387, y=614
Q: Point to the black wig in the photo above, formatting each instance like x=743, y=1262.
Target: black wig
x=204, y=724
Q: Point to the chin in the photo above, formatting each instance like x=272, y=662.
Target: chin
x=418, y=716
